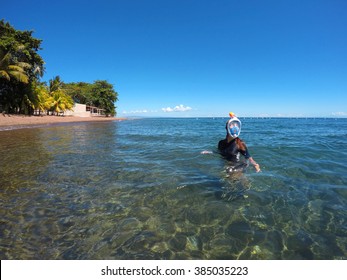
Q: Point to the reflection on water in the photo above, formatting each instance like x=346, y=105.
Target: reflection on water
x=141, y=190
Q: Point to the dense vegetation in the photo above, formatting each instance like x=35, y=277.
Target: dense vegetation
x=21, y=91
x=99, y=94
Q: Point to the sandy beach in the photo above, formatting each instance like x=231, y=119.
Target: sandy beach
x=9, y=122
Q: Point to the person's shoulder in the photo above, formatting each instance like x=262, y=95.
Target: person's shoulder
x=242, y=142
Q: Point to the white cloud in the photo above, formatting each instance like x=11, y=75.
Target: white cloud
x=178, y=108
x=339, y=114
x=168, y=109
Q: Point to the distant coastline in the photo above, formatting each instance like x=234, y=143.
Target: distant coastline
x=11, y=122
x=226, y=117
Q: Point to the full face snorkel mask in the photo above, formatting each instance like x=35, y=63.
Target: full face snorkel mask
x=234, y=127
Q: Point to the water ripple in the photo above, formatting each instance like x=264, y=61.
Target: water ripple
x=141, y=189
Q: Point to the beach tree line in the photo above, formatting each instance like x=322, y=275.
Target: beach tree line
x=99, y=94
x=21, y=88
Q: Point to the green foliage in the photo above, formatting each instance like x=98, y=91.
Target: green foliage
x=20, y=66
x=42, y=101
x=104, y=96
x=11, y=69
x=23, y=48
x=58, y=100
x=80, y=92
x=100, y=94
x=21, y=91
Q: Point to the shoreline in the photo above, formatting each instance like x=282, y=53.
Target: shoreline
x=12, y=122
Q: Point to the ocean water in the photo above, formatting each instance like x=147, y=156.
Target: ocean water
x=141, y=189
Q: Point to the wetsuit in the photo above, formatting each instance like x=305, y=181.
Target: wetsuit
x=232, y=153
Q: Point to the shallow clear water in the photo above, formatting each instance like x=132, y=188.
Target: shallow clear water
x=141, y=189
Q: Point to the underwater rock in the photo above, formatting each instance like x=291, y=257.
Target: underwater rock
x=259, y=236
x=119, y=238
x=160, y=247
x=162, y=227
x=167, y=255
x=142, y=213
x=301, y=245
x=327, y=245
x=129, y=224
x=140, y=242
x=194, y=216
x=178, y=242
x=194, y=243
x=260, y=199
x=167, y=227
x=65, y=224
x=260, y=253
x=224, y=247
x=275, y=241
x=240, y=230
x=206, y=234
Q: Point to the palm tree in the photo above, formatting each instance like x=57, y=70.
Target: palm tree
x=60, y=102
x=10, y=69
x=43, y=100
x=55, y=84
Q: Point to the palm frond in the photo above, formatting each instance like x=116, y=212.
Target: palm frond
x=15, y=68
x=24, y=65
x=19, y=76
x=5, y=59
x=5, y=75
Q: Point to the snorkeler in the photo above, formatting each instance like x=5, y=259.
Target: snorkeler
x=232, y=146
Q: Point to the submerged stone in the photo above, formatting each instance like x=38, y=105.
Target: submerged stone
x=240, y=230
x=129, y=224
x=194, y=243
x=178, y=242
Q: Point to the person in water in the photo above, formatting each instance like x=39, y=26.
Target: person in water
x=232, y=146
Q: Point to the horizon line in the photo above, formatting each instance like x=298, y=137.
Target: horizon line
x=249, y=117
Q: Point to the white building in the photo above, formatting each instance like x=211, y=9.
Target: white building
x=83, y=110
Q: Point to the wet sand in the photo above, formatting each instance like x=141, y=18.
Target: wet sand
x=10, y=122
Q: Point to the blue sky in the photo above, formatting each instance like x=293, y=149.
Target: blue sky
x=182, y=58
